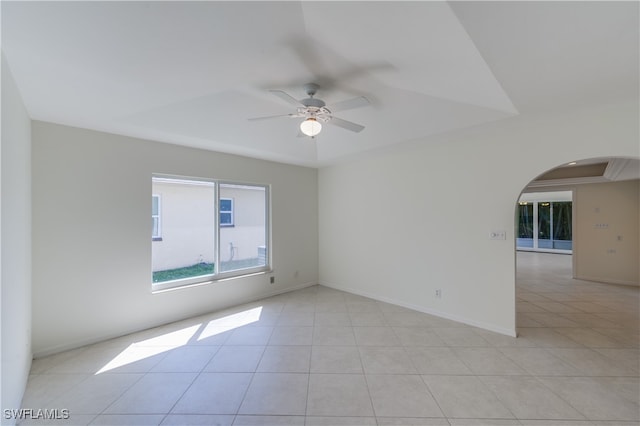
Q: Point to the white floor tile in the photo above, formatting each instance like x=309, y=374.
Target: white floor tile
x=244, y=420
x=301, y=358
x=397, y=395
x=339, y=420
x=128, y=420
x=335, y=359
x=291, y=335
x=96, y=393
x=250, y=336
x=466, y=397
x=341, y=395
x=436, y=360
x=214, y=393
x=596, y=399
x=329, y=319
x=285, y=359
x=417, y=336
x=44, y=388
x=276, y=394
x=376, y=336
x=527, y=398
x=386, y=360
x=186, y=359
x=197, y=420
x=488, y=361
x=155, y=393
x=235, y=359
x=333, y=336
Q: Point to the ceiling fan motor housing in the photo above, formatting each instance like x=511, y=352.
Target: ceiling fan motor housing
x=316, y=113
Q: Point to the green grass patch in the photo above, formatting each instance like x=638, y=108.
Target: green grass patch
x=185, y=272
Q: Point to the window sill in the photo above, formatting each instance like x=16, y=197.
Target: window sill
x=176, y=285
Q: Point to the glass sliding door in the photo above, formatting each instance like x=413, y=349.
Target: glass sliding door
x=544, y=222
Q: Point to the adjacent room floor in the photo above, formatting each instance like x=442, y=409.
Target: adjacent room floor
x=324, y=357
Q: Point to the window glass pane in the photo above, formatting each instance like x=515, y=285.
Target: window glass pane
x=562, y=221
x=544, y=225
x=525, y=221
x=525, y=225
x=243, y=245
x=225, y=204
x=154, y=205
x=562, y=234
x=154, y=232
x=226, y=212
x=225, y=219
x=188, y=233
x=155, y=216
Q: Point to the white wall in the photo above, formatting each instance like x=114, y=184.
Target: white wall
x=607, y=230
x=400, y=223
x=91, y=248
x=15, y=246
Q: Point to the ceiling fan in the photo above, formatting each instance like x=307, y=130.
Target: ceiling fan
x=315, y=112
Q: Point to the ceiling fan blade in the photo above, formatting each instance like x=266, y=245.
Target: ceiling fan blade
x=349, y=104
x=268, y=117
x=345, y=124
x=286, y=97
x=308, y=50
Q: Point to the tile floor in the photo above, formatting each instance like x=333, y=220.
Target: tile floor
x=324, y=357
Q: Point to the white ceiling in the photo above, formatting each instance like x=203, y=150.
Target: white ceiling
x=192, y=73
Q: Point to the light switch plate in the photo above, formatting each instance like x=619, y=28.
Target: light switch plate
x=498, y=235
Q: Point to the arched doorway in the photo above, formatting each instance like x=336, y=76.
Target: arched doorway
x=575, y=224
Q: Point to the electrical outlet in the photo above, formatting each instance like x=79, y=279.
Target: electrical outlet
x=438, y=294
x=272, y=280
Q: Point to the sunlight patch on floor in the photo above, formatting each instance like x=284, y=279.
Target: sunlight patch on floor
x=156, y=345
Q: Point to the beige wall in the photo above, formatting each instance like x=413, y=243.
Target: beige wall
x=606, y=232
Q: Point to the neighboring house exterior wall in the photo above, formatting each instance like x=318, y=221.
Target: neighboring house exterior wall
x=186, y=219
x=248, y=232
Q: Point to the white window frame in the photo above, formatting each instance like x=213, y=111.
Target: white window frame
x=158, y=236
x=217, y=275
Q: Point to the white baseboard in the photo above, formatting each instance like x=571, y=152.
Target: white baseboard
x=456, y=318
x=608, y=281
x=84, y=342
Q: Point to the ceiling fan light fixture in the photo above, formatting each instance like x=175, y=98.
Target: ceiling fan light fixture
x=310, y=127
